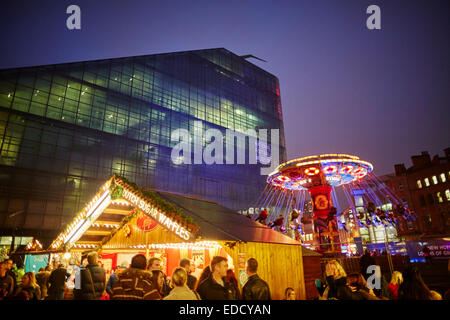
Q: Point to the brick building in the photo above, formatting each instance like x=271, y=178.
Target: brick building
x=425, y=186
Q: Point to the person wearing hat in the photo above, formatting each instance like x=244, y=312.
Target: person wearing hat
x=113, y=277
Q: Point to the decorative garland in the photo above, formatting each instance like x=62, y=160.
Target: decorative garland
x=122, y=224
x=158, y=202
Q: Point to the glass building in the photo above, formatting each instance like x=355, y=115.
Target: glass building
x=67, y=128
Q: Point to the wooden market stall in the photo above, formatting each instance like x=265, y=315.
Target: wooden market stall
x=123, y=219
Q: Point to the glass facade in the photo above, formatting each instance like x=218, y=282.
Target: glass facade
x=66, y=128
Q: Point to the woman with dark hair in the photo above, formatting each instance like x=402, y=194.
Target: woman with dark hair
x=203, y=276
x=158, y=280
x=356, y=282
x=231, y=278
x=413, y=287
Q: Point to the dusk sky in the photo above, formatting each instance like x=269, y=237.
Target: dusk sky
x=380, y=94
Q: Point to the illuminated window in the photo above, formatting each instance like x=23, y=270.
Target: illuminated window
x=443, y=179
x=419, y=184
x=435, y=180
x=447, y=194
x=439, y=197
x=427, y=182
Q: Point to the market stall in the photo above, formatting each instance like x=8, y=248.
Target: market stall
x=123, y=219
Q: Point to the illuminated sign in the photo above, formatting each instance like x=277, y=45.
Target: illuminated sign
x=156, y=215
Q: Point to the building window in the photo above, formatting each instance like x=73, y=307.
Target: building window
x=443, y=179
x=422, y=200
x=435, y=180
x=400, y=186
x=419, y=184
x=447, y=194
x=427, y=220
x=427, y=182
x=430, y=199
x=440, y=200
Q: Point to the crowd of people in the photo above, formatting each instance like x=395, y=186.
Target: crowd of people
x=145, y=280
x=141, y=280
x=408, y=285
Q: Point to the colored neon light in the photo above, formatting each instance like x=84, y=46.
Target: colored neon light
x=330, y=169
x=312, y=171
x=346, y=170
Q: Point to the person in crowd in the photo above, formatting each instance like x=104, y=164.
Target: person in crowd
x=93, y=279
x=366, y=261
x=155, y=264
x=381, y=292
x=255, y=288
x=394, y=285
x=357, y=282
x=113, y=277
x=262, y=216
x=413, y=287
x=231, y=278
x=191, y=280
x=203, y=276
x=180, y=290
x=216, y=286
x=289, y=294
x=158, y=280
x=57, y=281
x=336, y=278
x=135, y=283
x=42, y=280
x=278, y=223
x=6, y=281
x=10, y=272
x=435, y=295
x=18, y=271
x=29, y=289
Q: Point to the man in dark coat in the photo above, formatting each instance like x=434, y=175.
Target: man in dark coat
x=191, y=280
x=216, y=286
x=255, y=288
x=57, y=282
x=93, y=279
x=366, y=261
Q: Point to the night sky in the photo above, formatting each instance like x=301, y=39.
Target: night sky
x=380, y=94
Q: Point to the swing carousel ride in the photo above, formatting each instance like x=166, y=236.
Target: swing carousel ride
x=316, y=178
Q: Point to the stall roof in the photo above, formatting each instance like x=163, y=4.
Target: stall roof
x=215, y=222
x=220, y=223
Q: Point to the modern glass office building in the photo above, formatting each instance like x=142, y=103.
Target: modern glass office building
x=66, y=128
